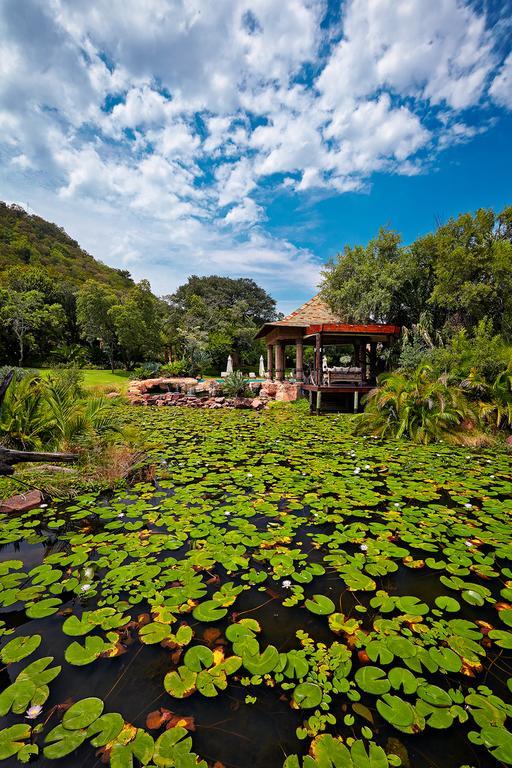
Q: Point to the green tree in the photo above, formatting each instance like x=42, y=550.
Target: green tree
x=26, y=314
x=221, y=312
x=93, y=304
x=138, y=323
x=473, y=269
x=371, y=282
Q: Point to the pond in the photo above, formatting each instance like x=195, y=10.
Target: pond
x=281, y=594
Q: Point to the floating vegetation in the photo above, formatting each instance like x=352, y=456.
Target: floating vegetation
x=263, y=603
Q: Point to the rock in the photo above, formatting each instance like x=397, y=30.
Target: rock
x=22, y=503
x=509, y=440
x=255, y=386
x=257, y=404
x=287, y=392
x=269, y=388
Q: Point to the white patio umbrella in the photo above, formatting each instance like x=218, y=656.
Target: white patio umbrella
x=262, y=367
x=229, y=365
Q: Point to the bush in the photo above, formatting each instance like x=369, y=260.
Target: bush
x=176, y=368
x=423, y=407
x=234, y=385
x=147, y=370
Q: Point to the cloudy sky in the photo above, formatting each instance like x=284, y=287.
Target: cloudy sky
x=252, y=137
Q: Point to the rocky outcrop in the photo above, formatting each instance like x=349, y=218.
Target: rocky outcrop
x=185, y=393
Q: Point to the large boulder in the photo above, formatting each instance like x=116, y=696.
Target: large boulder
x=287, y=392
x=22, y=503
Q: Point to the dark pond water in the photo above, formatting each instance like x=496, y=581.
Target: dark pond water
x=260, y=501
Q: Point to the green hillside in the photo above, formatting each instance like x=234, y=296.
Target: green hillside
x=30, y=240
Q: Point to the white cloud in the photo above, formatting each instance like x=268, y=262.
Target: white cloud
x=174, y=116
x=501, y=88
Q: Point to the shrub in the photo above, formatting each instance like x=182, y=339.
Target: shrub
x=176, y=368
x=147, y=370
x=422, y=406
x=234, y=385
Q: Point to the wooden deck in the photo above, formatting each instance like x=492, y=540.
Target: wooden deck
x=341, y=397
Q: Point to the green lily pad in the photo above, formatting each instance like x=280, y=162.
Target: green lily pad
x=307, y=695
x=320, y=605
x=82, y=714
x=19, y=648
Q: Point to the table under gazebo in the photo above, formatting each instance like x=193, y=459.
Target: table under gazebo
x=314, y=324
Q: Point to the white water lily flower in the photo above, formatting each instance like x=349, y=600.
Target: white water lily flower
x=286, y=584
x=227, y=514
x=397, y=503
x=249, y=474
x=357, y=470
x=33, y=712
x=468, y=505
x=121, y=514
x=367, y=466
x=492, y=477
x=364, y=547
x=85, y=587
x=468, y=543
x=43, y=506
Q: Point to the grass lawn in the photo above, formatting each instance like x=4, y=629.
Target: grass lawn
x=102, y=380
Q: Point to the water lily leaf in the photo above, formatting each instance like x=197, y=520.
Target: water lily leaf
x=372, y=680
x=19, y=648
x=472, y=597
x=82, y=713
x=412, y=606
x=80, y=655
x=261, y=663
x=209, y=611
x=446, y=603
x=43, y=608
x=105, y=729
x=198, y=658
x=181, y=682
x=501, y=638
x=378, y=650
x=446, y=659
x=307, y=696
x=396, y=711
x=154, y=632
x=61, y=742
x=320, y=605
x=173, y=748
x=434, y=695
x=403, y=679
x=499, y=743
x=12, y=740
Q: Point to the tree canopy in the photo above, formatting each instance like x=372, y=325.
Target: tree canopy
x=456, y=276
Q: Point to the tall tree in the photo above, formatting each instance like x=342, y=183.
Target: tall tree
x=93, y=304
x=26, y=313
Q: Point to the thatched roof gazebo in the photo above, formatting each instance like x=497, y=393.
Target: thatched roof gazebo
x=316, y=325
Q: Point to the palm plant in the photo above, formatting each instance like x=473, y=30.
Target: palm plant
x=420, y=406
x=71, y=419
x=51, y=414
x=23, y=422
x=494, y=400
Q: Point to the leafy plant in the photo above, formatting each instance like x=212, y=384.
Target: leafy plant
x=234, y=385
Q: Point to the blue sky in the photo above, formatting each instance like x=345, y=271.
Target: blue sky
x=249, y=137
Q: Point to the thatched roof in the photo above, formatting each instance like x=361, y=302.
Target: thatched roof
x=313, y=312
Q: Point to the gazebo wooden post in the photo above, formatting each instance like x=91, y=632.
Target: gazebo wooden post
x=318, y=359
x=279, y=358
x=362, y=360
x=270, y=361
x=299, y=360
x=373, y=362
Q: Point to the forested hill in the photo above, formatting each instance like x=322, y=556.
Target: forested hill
x=30, y=240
